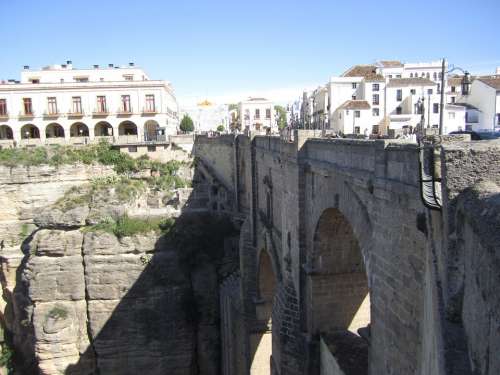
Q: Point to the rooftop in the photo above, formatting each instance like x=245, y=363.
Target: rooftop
x=492, y=81
x=355, y=104
x=404, y=82
x=391, y=64
x=369, y=72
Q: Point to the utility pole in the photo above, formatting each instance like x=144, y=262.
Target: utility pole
x=441, y=105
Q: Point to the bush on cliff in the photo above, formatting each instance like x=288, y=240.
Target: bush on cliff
x=127, y=226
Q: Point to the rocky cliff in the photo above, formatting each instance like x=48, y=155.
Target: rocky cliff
x=98, y=278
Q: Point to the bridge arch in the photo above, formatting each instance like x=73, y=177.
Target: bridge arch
x=338, y=291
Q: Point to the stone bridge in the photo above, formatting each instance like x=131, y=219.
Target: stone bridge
x=344, y=269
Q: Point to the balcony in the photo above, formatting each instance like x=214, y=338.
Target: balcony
x=4, y=116
x=26, y=114
x=51, y=114
x=149, y=111
x=75, y=114
x=100, y=112
x=124, y=111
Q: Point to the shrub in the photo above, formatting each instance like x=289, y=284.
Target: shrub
x=127, y=226
x=221, y=128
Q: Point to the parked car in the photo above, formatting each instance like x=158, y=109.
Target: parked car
x=473, y=135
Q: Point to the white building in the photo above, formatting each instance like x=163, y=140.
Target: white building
x=390, y=98
x=208, y=116
x=257, y=114
x=485, y=98
x=61, y=104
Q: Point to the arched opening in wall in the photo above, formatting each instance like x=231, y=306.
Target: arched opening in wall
x=29, y=131
x=54, y=130
x=339, y=294
x=261, y=339
x=127, y=128
x=103, y=129
x=151, y=128
x=79, y=129
x=6, y=132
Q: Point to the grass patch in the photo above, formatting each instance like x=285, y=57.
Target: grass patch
x=127, y=226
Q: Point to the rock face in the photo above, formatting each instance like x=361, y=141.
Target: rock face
x=83, y=301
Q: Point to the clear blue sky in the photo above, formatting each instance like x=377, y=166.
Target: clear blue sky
x=215, y=47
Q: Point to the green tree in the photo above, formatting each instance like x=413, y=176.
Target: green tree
x=281, y=114
x=220, y=128
x=186, y=124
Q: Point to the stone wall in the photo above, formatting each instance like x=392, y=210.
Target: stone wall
x=409, y=253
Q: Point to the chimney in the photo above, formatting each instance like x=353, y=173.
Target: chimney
x=131, y=64
x=96, y=66
x=110, y=65
x=26, y=67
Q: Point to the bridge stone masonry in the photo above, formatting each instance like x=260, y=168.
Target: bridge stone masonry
x=344, y=269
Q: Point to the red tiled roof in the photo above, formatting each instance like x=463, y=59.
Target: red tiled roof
x=355, y=104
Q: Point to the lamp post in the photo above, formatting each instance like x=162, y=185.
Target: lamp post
x=466, y=84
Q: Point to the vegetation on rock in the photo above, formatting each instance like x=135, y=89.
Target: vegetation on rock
x=126, y=226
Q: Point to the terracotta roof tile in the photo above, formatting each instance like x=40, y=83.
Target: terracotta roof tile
x=355, y=104
x=391, y=63
x=403, y=82
x=369, y=72
x=492, y=81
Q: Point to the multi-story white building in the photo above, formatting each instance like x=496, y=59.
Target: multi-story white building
x=386, y=97
x=208, y=116
x=61, y=104
x=484, y=99
x=257, y=114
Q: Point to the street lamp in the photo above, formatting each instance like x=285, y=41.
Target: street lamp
x=466, y=85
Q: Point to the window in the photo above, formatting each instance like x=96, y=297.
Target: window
x=375, y=112
x=413, y=91
x=151, y=148
x=247, y=114
x=354, y=85
x=27, y=106
x=435, y=76
x=418, y=108
x=390, y=75
x=435, y=126
x=435, y=108
x=257, y=113
x=3, y=107
x=62, y=80
x=126, y=104
x=428, y=76
x=375, y=99
x=399, y=110
x=35, y=80
x=399, y=95
x=411, y=75
x=452, y=88
x=375, y=87
x=52, y=105
x=498, y=118
x=81, y=79
x=453, y=99
x=101, y=104
x=357, y=114
x=268, y=113
x=150, y=103
x=451, y=115
x=353, y=97
x=132, y=148
x=375, y=129
x=77, y=104
x=357, y=130
x=398, y=75
x=423, y=75
x=429, y=91
x=129, y=77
